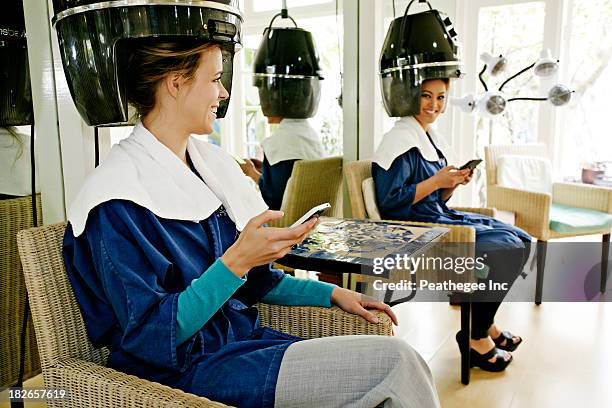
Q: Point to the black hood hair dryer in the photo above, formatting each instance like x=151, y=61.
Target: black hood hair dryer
x=15, y=89
x=95, y=39
x=417, y=47
x=286, y=71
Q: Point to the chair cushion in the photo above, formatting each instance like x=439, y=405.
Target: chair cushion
x=565, y=219
x=369, y=198
x=528, y=173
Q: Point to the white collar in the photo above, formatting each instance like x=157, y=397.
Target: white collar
x=294, y=139
x=143, y=170
x=406, y=134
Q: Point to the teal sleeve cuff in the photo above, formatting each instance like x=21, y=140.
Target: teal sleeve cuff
x=292, y=291
x=201, y=300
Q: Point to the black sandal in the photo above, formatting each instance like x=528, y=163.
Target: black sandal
x=482, y=360
x=509, y=338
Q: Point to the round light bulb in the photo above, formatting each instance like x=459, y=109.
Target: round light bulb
x=559, y=95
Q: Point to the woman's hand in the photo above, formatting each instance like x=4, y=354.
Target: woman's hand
x=259, y=245
x=355, y=303
x=250, y=170
x=450, y=177
x=468, y=177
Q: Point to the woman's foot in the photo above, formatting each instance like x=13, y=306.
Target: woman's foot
x=483, y=346
x=484, y=354
x=503, y=339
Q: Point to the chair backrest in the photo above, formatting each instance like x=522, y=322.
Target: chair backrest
x=312, y=182
x=15, y=215
x=493, y=152
x=60, y=330
x=356, y=172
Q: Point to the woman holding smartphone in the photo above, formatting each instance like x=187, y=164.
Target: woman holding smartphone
x=414, y=181
x=167, y=251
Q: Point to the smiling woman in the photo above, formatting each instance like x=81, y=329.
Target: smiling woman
x=195, y=88
x=167, y=251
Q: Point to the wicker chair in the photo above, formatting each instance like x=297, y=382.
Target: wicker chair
x=533, y=209
x=15, y=215
x=312, y=182
x=70, y=361
x=356, y=173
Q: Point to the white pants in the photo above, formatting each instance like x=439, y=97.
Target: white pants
x=354, y=371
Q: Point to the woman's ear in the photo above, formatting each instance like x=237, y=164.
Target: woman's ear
x=172, y=84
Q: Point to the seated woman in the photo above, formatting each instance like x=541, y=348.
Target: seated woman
x=167, y=252
x=413, y=182
x=293, y=140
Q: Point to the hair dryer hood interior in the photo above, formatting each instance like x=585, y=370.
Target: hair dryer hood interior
x=417, y=47
x=95, y=38
x=15, y=90
x=286, y=73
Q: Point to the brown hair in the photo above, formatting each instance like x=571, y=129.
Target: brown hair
x=149, y=62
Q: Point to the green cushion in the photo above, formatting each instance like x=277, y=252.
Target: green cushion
x=565, y=219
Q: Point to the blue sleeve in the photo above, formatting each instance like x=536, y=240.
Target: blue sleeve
x=201, y=300
x=395, y=188
x=292, y=291
x=273, y=182
x=119, y=277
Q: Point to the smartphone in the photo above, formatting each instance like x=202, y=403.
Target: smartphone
x=238, y=159
x=471, y=164
x=313, y=212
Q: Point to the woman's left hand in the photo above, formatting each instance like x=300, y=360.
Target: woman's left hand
x=355, y=303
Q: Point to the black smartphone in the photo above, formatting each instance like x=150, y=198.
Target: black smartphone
x=471, y=164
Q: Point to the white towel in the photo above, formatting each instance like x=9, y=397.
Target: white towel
x=143, y=170
x=294, y=139
x=406, y=134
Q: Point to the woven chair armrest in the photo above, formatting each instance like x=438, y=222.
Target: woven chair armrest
x=532, y=210
x=584, y=196
x=477, y=210
x=311, y=322
x=92, y=385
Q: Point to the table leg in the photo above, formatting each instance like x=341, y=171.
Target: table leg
x=466, y=308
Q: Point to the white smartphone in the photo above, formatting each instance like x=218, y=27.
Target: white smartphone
x=313, y=212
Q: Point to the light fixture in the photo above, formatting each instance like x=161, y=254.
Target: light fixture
x=286, y=71
x=493, y=103
x=417, y=47
x=494, y=64
x=559, y=95
x=546, y=66
x=467, y=103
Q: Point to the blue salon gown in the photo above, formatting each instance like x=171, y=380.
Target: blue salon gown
x=396, y=188
x=273, y=181
x=127, y=270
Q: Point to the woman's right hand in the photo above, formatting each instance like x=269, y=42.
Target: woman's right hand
x=259, y=245
x=450, y=177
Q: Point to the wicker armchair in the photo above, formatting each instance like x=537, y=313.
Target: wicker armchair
x=15, y=215
x=356, y=173
x=533, y=210
x=70, y=361
x=312, y=182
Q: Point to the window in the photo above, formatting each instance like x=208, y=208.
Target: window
x=515, y=31
x=584, y=129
